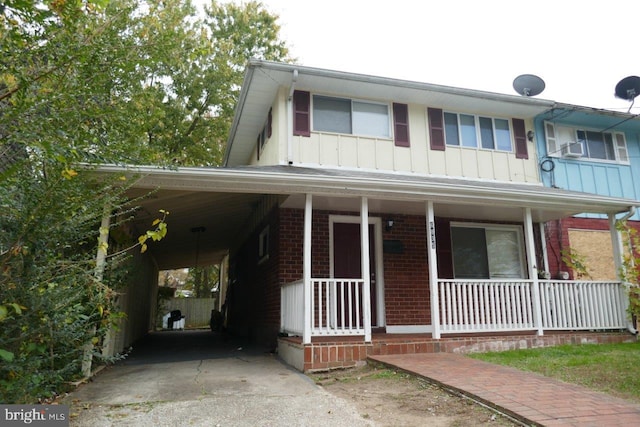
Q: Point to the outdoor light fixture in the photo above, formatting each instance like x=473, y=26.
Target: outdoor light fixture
x=530, y=135
x=389, y=225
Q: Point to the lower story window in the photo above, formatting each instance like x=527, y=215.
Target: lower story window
x=487, y=251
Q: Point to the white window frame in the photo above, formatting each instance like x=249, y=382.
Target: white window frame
x=500, y=227
x=389, y=124
x=554, y=142
x=478, y=134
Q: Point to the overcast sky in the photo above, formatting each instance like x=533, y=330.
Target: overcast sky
x=580, y=48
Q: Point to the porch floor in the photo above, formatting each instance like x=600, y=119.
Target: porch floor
x=528, y=397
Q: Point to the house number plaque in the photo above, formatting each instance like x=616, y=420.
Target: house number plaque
x=432, y=234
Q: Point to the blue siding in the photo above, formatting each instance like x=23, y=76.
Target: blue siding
x=603, y=178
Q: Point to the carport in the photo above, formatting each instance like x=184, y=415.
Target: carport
x=206, y=221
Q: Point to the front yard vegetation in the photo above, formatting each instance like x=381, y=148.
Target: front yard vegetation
x=609, y=368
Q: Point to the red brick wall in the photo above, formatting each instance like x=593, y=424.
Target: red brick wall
x=253, y=305
x=290, y=244
x=406, y=274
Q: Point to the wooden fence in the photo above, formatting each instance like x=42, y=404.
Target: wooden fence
x=196, y=311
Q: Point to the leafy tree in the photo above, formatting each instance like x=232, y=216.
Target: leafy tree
x=201, y=280
x=630, y=269
x=97, y=81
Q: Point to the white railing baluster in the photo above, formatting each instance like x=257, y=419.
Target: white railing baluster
x=507, y=305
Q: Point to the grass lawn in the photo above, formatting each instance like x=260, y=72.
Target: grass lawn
x=609, y=368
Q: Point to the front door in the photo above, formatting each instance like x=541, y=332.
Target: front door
x=347, y=263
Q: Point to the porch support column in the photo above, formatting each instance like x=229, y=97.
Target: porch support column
x=306, y=269
x=366, y=273
x=618, y=260
x=533, y=270
x=616, y=243
x=543, y=245
x=433, y=271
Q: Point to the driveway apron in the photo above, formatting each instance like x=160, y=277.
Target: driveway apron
x=196, y=378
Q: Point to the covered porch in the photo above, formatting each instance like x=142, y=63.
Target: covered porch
x=326, y=322
x=294, y=287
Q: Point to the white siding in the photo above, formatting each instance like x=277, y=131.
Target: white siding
x=381, y=154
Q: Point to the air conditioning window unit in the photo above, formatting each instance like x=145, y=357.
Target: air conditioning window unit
x=572, y=149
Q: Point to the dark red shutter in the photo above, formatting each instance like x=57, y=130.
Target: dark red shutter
x=436, y=128
x=520, y=136
x=445, y=251
x=301, y=116
x=401, y=124
x=269, y=122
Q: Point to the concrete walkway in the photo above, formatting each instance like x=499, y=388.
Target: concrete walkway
x=196, y=378
x=528, y=397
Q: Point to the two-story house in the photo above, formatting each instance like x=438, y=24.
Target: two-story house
x=367, y=215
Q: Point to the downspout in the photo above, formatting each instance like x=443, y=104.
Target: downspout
x=629, y=214
x=290, y=118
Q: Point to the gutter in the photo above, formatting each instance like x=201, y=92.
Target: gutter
x=272, y=182
x=290, y=119
x=405, y=84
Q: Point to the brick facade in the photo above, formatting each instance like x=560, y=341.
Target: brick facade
x=254, y=308
x=406, y=274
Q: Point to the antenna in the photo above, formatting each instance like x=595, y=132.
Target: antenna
x=528, y=85
x=628, y=88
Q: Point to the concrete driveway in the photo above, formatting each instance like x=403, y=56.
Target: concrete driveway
x=195, y=378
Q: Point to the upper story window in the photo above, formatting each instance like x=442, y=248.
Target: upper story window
x=453, y=129
x=349, y=116
x=467, y=130
x=572, y=142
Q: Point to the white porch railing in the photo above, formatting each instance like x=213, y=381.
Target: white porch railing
x=466, y=306
x=336, y=307
x=485, y=305
x=292, y=308
x=582, y=305
x=507, y=305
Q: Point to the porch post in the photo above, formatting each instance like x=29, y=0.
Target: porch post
x=533, y=269
x=306, y=269
x=433, y=271
x=618, y=260
x=616, y=243
x=366, y=274
x=543, y=245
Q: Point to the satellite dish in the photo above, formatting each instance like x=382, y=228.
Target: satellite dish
x=628, y=88
x=528, y=85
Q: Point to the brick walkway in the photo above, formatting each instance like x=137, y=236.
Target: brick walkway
x=531, y=398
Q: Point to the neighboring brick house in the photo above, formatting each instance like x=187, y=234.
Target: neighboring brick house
x=441, y=185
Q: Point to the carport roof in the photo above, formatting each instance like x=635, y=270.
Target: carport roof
x=222, y=200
